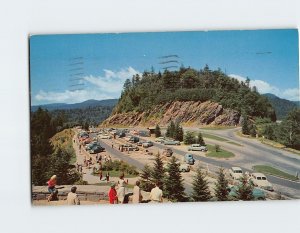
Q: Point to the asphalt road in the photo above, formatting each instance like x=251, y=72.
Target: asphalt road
x=248, y=155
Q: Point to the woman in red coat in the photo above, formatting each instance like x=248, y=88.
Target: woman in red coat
x=112, y=194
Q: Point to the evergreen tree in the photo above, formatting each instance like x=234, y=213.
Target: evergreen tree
x=60, y=166
x=200, y=187
x=86, y=126
x=245, y=189
x=157, y=174
x=145, y=180
x=200, y=139
x=171, y=130
x=245, y=126
x=252, y=130
x=178, y=132
x=221, y=188
x=189, y=138
x=173, y=184
x=157, y=131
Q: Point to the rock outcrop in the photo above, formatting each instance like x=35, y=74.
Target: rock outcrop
x=189, y=113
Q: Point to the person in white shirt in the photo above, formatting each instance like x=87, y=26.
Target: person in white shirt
x=121, y=192
x=72, y=198
x=137, y=196
x=156, y=194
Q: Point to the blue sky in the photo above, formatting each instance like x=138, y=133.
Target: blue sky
x=100, y=63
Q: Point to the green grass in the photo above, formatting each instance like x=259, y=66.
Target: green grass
x=273, y=171
x=214, y=137
x=114, y=173
x=220, y=154
x=234, y=143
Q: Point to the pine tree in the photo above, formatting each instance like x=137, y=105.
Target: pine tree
x=221, y=189
x=157, y=131
x=245, y=189
x=200, y=139
x=171, y=130
x=200, y=187
x=189, y=138
x=173, y=185
x=252, y=130
x=178, y=132
x=245, y=126
x=145, y=180
x=157, y=174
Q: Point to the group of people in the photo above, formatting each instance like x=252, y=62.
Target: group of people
x=116, y=195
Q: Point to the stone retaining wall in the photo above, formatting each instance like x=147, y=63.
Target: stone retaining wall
x=83, y=196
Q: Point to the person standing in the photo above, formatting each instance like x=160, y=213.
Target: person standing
x=112, y=194
x=121, y=192
x=137, y=195
x=156, y=194
x=107, y=176
x=72, y=198
x=100, y=175
x=51, y=188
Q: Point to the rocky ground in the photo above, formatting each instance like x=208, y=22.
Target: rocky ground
x=189, y=113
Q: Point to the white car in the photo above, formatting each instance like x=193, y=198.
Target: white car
x=104, y=136
x=147, y=144
x=159, y=139
x=260, y=180
x=197, y=147
x=236, y=173
x=184, y=168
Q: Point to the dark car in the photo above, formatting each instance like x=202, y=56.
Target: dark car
x=121, y=134
x=134, y=139
x=96, y=149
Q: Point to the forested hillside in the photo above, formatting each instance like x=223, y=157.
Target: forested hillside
x=143, y=93
x=282, y=106
x=91, y=112
x=80, y=116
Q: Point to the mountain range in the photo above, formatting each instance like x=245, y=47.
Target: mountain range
x=281, y=106
x=82, y=105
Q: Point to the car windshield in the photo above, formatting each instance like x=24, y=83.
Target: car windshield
x=263, y=178
x=238, y=171
x=258, y=178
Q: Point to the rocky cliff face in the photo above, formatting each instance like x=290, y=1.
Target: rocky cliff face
x=189, y=113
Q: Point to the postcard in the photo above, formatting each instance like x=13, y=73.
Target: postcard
x=164, y=117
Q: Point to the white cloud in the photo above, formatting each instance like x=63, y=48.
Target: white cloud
x=264, y=87
x=107, y=86
x=69, y=96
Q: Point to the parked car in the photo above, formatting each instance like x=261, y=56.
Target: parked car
x=139, y=143
x=197, y=147
x=258, y=194
x=121, y=134
x=236, y=173
x=171, y=142
x=96, y=149
x=189, y=159
x=159, y=139
x=184, y=168
x=167, y=152
x=147, y=144
x=130, y=147
x=87, y=141
x=260, y=180
x=134, y=139
x=92, y=144
x=105, y=136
